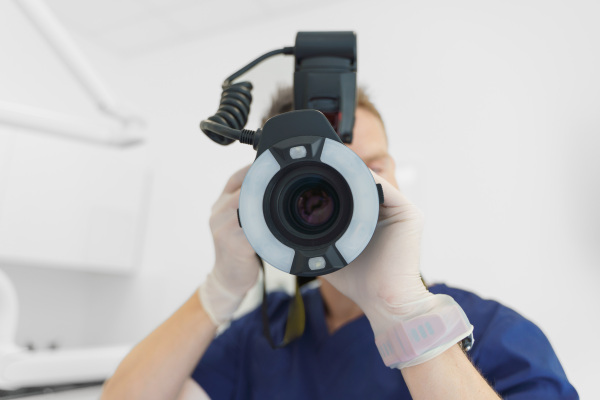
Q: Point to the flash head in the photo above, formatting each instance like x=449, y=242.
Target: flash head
x=325, y=77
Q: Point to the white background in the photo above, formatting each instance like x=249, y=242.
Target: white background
x=492, y=109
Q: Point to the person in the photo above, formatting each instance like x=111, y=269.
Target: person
x=336, y=357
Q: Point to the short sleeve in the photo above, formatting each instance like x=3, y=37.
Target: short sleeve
x=219, y=369
x=518, y=360
x=511, y=352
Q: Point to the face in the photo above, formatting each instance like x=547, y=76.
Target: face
x=370, y=143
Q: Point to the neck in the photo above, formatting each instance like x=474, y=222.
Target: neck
x=339, y=309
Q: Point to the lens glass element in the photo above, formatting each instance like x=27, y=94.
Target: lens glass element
x=314, y=205
x=307, y=204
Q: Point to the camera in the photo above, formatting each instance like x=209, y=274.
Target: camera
x=308, y=204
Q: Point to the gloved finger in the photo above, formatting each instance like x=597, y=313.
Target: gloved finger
x=235, y=182
x=227, y=201
x=217, y=219
x=392, y=197
x=228, y=226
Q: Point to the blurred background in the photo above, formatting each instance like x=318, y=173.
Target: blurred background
x=493, y=115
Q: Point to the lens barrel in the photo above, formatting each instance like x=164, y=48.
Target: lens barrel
x=308, y=204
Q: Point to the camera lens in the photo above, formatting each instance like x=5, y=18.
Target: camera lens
x=307, y=204
x=314, y=203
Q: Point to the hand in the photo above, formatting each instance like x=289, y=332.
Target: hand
x=236, y=265
x=385, y=280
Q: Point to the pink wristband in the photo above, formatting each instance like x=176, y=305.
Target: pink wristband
x=423, y=337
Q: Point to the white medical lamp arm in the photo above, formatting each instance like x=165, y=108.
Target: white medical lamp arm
x=125, y=123
x=64, y=46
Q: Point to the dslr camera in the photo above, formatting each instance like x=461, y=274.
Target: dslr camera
x=308, y=205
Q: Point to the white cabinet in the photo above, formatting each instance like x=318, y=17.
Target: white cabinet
x=70, y=205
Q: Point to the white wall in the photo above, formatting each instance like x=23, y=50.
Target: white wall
x=492, y=106
x=54, y=303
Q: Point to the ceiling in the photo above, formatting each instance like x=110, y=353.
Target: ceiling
x=135, y=27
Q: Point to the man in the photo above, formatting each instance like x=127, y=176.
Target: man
x=336, y=357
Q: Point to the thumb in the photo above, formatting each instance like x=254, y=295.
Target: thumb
x=394, y=200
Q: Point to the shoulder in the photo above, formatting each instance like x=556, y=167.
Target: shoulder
x=510, y=350
x=493, y=322
x=491, y=319
x=481, y=312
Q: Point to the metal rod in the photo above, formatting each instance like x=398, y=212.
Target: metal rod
x=66, y=49
x=64, y=125
x=64, y=46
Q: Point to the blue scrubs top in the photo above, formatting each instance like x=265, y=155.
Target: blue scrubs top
x=511, y=352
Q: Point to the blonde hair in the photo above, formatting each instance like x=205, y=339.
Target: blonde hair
x=283, y=101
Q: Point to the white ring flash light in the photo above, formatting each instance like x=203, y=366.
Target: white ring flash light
x=295, y=155
x=364, y=195
x=252, y=217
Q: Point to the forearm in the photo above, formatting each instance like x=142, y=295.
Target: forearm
x=448, y=376
x=159, y=365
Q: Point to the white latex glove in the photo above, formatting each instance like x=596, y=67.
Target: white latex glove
x=385, y=280
x=236, y=265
